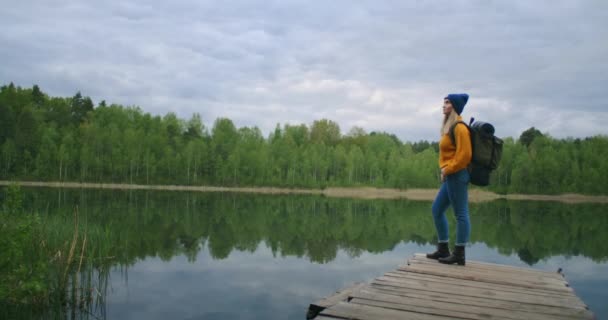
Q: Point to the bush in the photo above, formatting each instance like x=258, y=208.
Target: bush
x=22, y=266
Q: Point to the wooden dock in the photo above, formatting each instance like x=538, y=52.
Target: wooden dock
x=425, y=289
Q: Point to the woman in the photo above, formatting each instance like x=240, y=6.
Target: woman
x=453, y=161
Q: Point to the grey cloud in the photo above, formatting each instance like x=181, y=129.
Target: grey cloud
x=258, y=282
x=384, y=66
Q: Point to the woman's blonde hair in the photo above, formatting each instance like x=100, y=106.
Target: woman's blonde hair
x=448, y=121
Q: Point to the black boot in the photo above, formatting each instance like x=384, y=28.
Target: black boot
x=443, y=251
x=456, y=257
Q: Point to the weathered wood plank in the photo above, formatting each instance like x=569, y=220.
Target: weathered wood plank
x=475, y=292
x=535, y=277
x=427, y=290
x=477, y=284
x=364, y=312
x=451, y=308
x=422, y=310
x=548, y=278
x=340, y=295
x=492, y=279
x=316, y=307
x=576, y=313
x=462, y=273
x=479, y=264
x=490, y=293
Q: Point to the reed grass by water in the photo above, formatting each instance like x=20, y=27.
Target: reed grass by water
x=50, y=266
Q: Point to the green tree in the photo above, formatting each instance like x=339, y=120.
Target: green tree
x=528, y=136
x=325, y=131
x=66, y=156
x=9, y=156
x=47, y=154
x=80, y=107
x=27, y=131
x=37, y=96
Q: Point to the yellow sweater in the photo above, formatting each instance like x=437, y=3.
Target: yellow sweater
x=455, y=158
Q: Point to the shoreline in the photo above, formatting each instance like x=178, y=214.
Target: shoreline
x=475, y=195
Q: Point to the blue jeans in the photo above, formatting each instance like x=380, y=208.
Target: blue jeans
x=453, y=191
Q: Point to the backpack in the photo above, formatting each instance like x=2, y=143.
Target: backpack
x=487, y=150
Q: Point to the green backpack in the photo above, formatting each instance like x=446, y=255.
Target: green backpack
x=487, y=150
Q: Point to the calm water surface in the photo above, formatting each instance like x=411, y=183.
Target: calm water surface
x=184, y=255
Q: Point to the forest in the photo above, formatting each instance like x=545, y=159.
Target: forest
x=46, y=138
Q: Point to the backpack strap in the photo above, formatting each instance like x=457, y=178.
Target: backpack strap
x=452, y=134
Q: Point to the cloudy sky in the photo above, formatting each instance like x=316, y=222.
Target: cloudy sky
x=379, y=65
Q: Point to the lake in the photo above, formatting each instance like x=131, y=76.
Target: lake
x=188, y=255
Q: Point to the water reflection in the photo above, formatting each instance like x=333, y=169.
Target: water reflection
x=236, y=256
x=165, y=224
x=257, y=285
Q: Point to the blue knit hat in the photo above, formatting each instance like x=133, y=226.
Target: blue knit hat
x=458, y=101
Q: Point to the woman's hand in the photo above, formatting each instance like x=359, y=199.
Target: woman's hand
x=442, y=174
